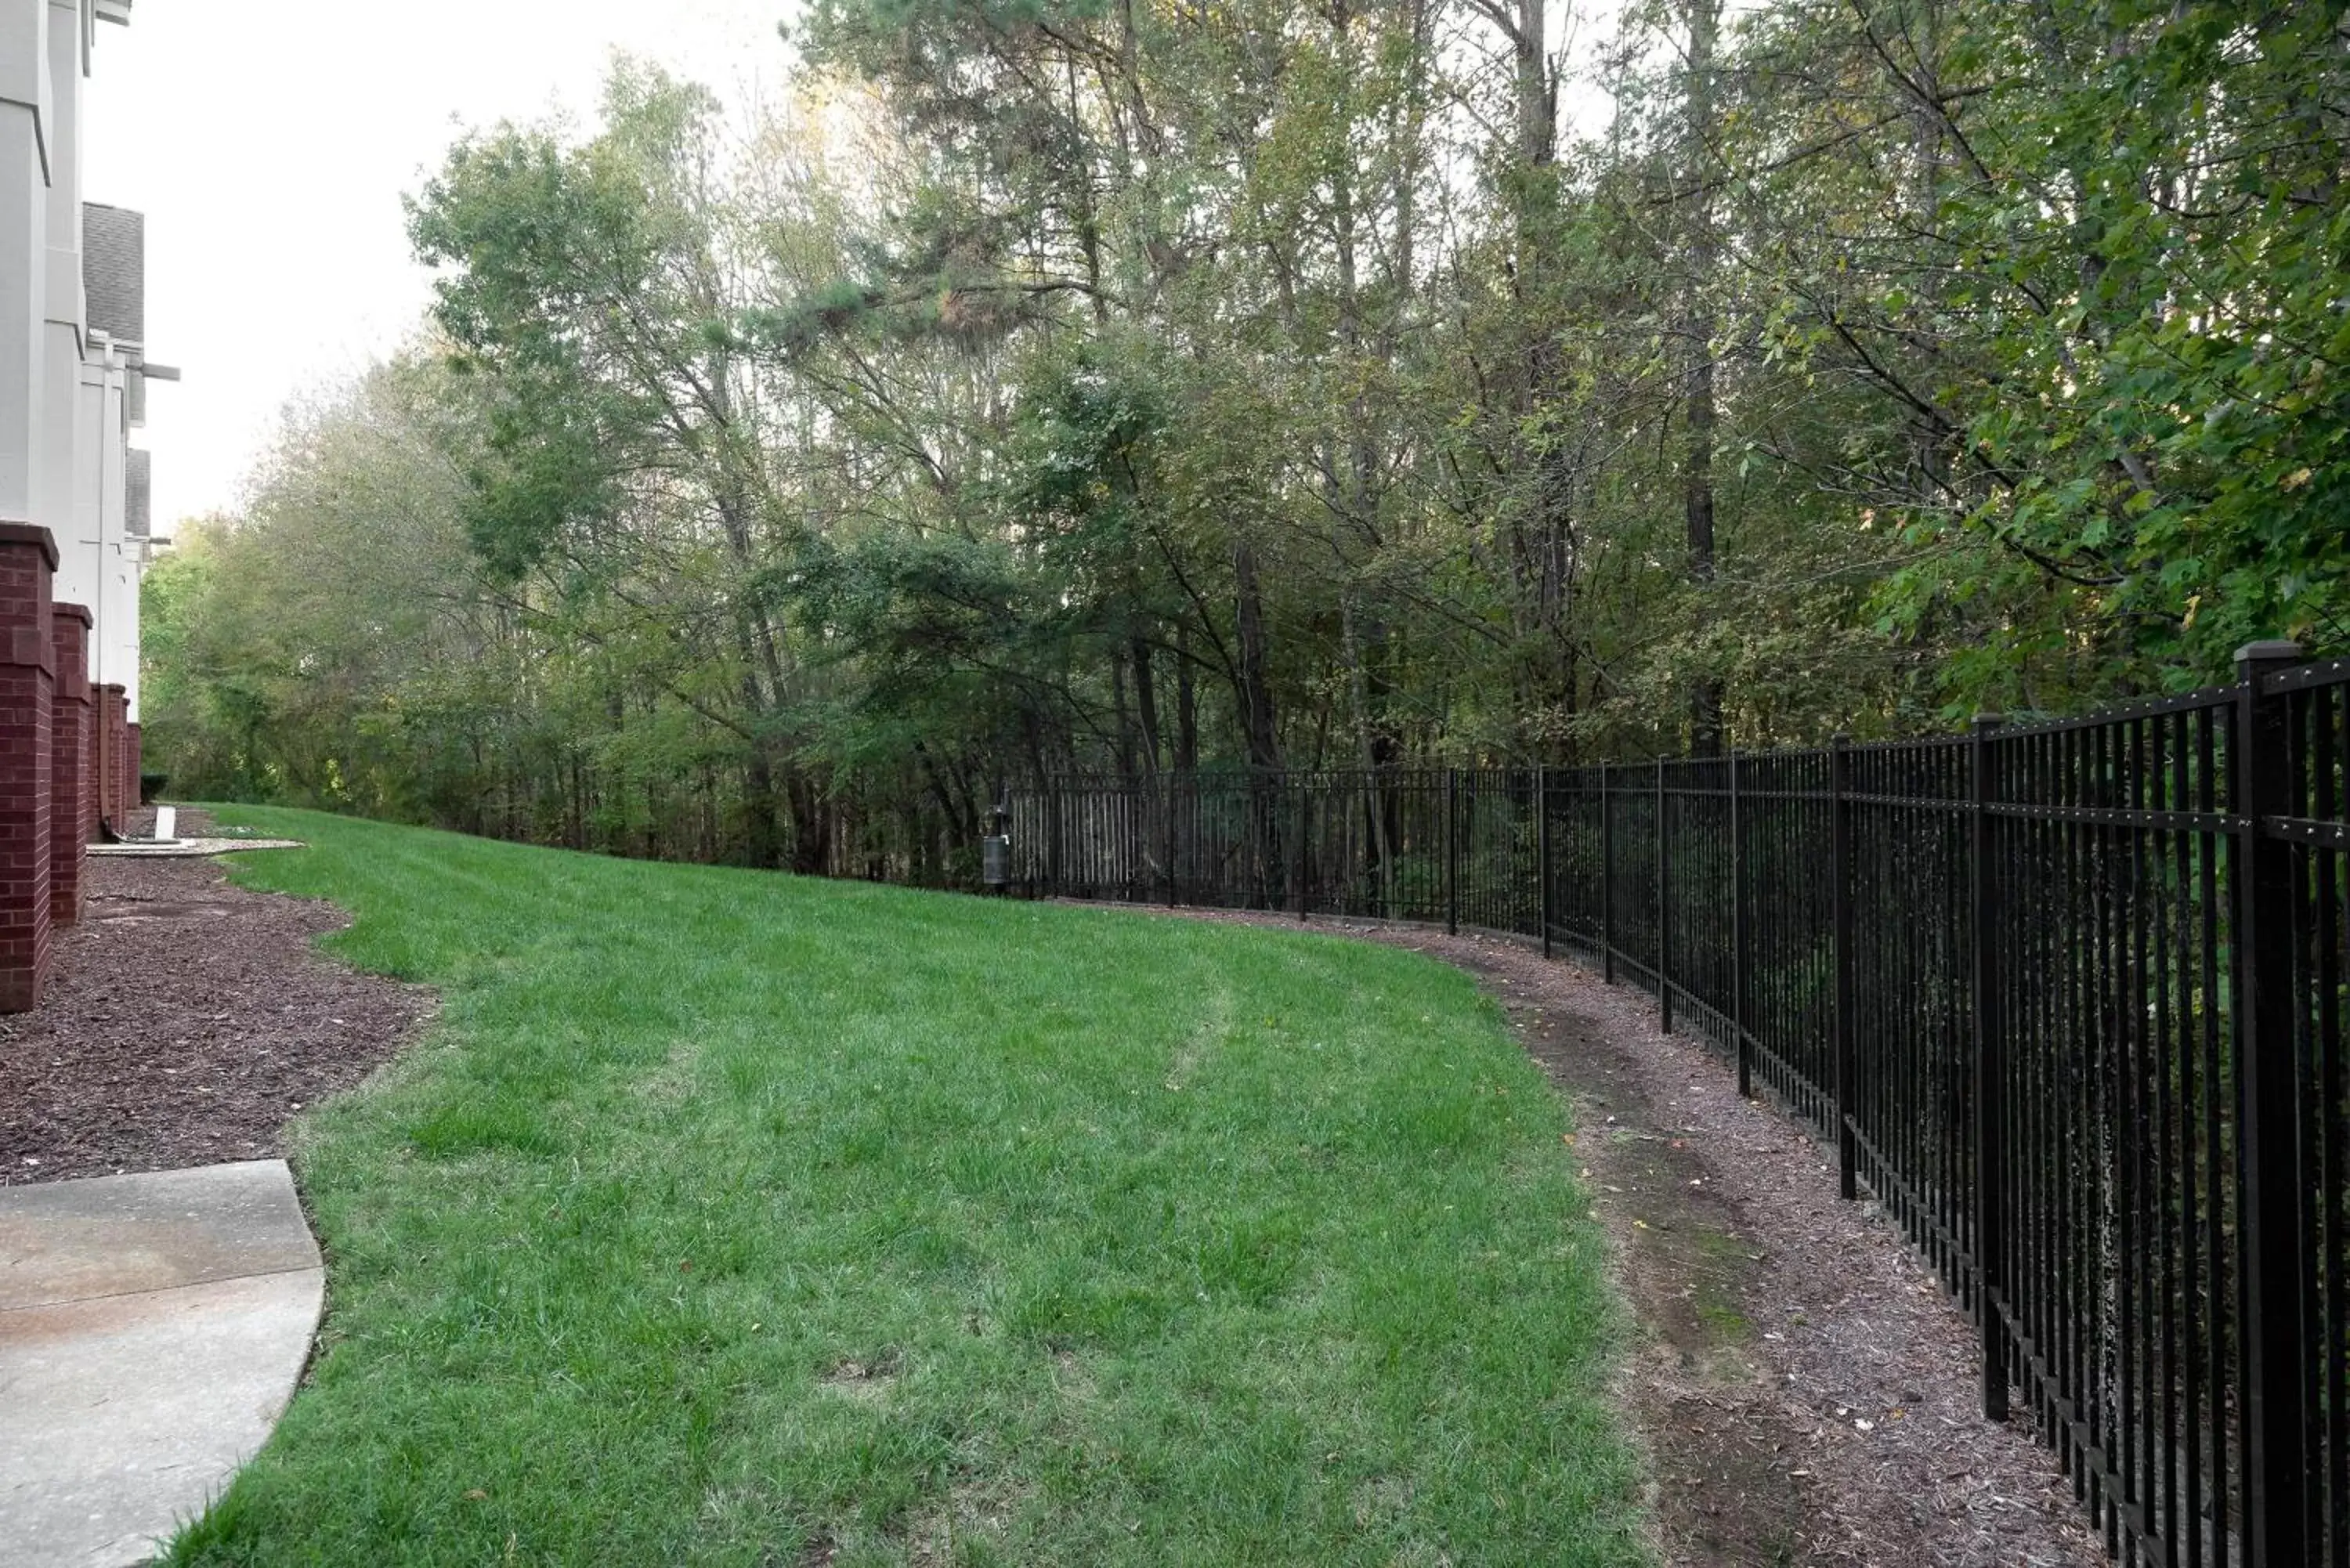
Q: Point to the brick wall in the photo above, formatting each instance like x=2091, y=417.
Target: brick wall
x=111, y=739
x=71, y=814
x=133, y=754
x=28, y=558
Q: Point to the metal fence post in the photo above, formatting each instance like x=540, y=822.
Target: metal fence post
x=1452, y=852
x=1304, y=854
x=1607, y=879
x=1740, y=1039
x=1053, y=841
x=1168, y=795
x=1840, y=920
x=1542, y=852
x=1989, y=1076
x=1664, y=911
x=2275, y=1426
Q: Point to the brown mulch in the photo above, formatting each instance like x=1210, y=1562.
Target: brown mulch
x=186, y=1021
x=1806, y=1387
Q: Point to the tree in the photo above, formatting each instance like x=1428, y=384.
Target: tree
x=1147, y=388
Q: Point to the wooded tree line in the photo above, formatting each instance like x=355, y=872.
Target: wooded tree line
x=1142, y=385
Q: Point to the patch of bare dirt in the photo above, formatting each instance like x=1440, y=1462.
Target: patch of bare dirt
x=1803, y=1384
x=186, y=1021
x=870, y=1380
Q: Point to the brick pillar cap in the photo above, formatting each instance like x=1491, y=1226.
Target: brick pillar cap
x=73, y=612
x=31, y=534
x=116, y=687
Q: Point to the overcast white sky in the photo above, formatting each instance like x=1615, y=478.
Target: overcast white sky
x=269, y=141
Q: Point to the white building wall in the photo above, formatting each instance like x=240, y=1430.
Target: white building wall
x=63, y=312
x=65, y=387
x=24, y=250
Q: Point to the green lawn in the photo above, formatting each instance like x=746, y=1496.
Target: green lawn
x=730, y=1218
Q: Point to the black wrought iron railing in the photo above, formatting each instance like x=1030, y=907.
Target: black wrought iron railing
x=2068, y=999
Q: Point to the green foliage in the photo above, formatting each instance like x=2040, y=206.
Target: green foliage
x=2122, y=326
x=1040, y=387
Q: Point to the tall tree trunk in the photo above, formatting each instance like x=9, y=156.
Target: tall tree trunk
x=811, y=824
x=1258, y=731
x=1698, y=331
x=1542, y=537
x=1378, y=803
x=761, y=840
x=1146, y=705
x=1121, y=722
x=1187, y=706
x=1931, y=443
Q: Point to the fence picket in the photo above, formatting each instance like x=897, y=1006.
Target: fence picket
x=1545, y=902
x=1990, y=1073
x=1453, y=851
x=1841, y=958
x=1606, y=878
x=2272, y=1336
x=1664, y=960
x=1740, y=1023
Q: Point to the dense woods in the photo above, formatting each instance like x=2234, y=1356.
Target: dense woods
x=1139, y=386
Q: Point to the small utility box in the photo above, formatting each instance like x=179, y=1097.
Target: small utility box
x=995, y=849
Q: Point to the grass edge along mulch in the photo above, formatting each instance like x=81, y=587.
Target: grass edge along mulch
x=731, y=1218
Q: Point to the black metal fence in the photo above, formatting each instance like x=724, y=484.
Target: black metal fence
x=2067, y=999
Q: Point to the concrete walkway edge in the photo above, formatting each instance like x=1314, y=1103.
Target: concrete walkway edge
x=153, y=1328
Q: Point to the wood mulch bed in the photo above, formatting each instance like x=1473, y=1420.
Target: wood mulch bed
x=186, y=1021
x=1804, y=1387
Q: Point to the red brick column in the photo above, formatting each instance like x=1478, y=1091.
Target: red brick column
x=93, y=750
x=70, y=816
x=125, y=800
x=29, y=559
x=134, y=751
x=109, y=757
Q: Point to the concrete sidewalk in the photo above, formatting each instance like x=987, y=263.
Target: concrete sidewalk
x=191, y=848
x=152, y=1330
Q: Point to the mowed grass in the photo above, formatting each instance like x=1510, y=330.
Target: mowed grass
x=736, y=1219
